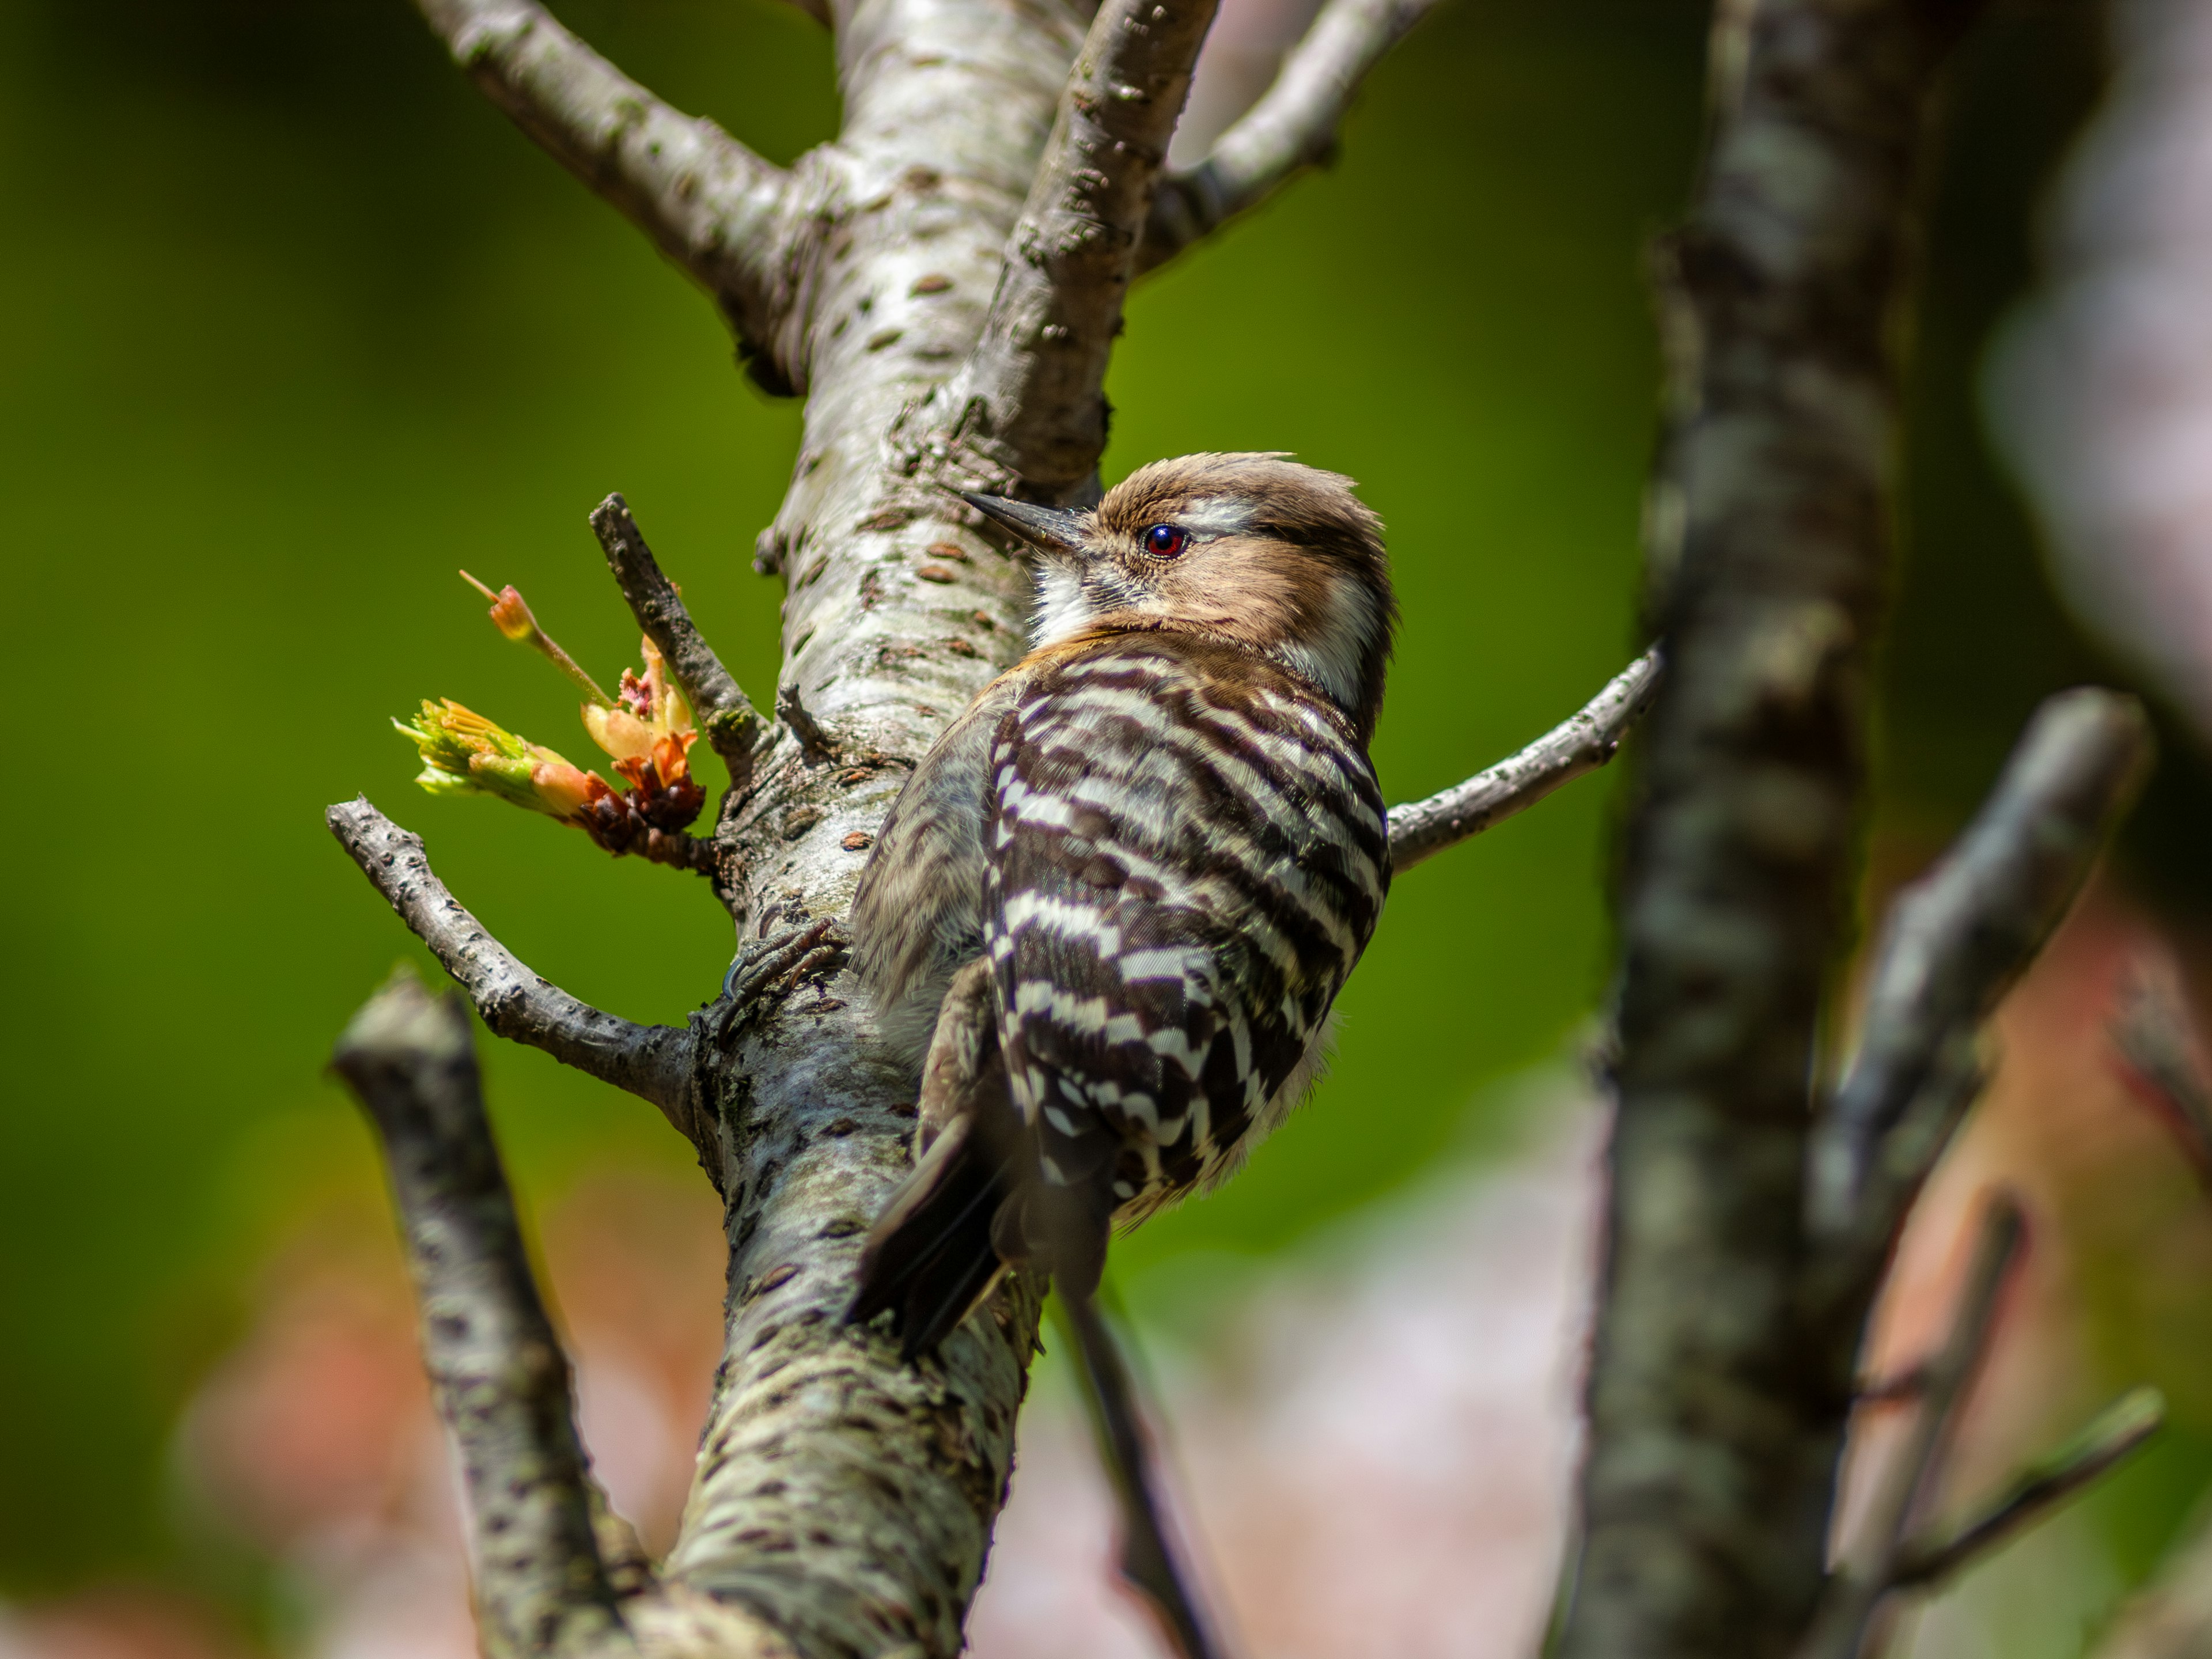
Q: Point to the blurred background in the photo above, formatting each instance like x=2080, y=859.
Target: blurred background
x=292, y=324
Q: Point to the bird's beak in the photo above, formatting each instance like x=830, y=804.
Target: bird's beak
x=1053, y=529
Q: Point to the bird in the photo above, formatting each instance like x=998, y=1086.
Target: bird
x=1108, y=914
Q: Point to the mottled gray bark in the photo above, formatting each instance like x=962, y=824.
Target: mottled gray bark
x=1031, y=395
x=499, y=1378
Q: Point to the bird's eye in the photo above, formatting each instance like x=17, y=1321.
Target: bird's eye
x=1164, y=541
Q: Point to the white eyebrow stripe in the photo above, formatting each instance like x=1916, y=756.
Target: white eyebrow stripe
x=1215, y=516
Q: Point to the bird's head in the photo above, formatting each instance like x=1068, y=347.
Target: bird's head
x=1281, y=559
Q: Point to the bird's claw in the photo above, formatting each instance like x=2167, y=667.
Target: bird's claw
x=775, y=965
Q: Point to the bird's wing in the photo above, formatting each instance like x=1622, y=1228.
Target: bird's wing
x=1186, y=857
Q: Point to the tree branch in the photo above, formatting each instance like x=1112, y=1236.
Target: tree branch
x=2151, y=1031
x=1869, y=1571
x=653, y=1062
x=1717, y=1415
x=1148, y=1555
x=499, y=1378
x=2115, y=1435
x=1960, y=935
x=709, y=203
x=1030, y=394
x=1291, y=128
x=733, y=726
x=1582, y=742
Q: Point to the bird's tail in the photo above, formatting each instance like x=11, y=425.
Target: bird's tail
x=974, y=1205
x=930, y=1258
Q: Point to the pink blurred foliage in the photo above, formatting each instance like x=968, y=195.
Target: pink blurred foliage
x=2102, y=389
x=1376, y=1446
x=119, y=1621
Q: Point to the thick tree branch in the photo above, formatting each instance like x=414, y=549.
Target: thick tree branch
x=733, y=726
x=1030, y=394
x=1291, y=128
x=1716, y=1425
x=1956, y=939
x=1868, y=1571
x=653, y=1062
x=499, y=1378
x=1582, y=742
x=709, y=203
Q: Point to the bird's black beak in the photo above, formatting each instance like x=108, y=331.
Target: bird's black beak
x=1054, y=529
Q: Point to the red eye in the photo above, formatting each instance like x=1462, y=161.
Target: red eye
x=1164, y=541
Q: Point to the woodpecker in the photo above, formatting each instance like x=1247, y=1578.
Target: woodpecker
x=1108, y=912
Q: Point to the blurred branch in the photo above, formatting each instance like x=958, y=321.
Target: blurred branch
x=2151, y=1031
x=709, y=203
x=1148, y=1558
x=2115, y=1434
x=1868, y=1571
x=1958, y=937
x=1291, y=128
x=731, y=725
x=501, y=1382
x=653, y=1062
x=1584, y=742
x=1717, y=1406
x=1034, y=379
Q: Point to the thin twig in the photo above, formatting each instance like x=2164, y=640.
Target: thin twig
x=1844, y=1278
x=496, y=1369
x=1868, y=1571
x=729, y=720
x=1291, y=128
x=1029, y=393
x=709, y=203
x=2151, y=1031
x=2115, y=1434
x=653, y=1062
x=1148, y=1556
x=1960, y=935
x=1584, y=742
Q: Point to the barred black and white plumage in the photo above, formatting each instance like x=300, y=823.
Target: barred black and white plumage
x=1111, y=910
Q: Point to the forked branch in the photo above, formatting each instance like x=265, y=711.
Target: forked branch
x=1291, y=128
x=1868, y=1571
x=2116, y=1435
x=653, y=1062
x=1582, y=742
x=496, y=1369
x=725, y=714
x=1029, y=394
x=709, y=203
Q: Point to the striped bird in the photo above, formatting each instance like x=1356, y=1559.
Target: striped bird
x=1110, y=912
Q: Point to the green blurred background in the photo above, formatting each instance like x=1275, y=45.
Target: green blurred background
x=295, y=324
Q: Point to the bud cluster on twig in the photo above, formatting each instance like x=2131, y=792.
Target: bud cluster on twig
x=645, y=730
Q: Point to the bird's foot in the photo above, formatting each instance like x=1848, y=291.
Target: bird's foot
x=771, y=968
